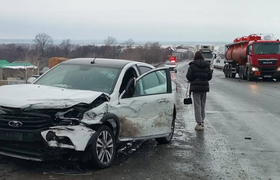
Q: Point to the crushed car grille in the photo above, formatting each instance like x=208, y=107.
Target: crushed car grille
x=24, y=123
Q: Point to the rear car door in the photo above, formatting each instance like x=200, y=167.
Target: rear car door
x=149, y=112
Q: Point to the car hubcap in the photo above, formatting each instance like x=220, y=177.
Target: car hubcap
x=105, y=147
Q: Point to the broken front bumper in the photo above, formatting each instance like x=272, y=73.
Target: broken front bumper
x=54, y=143
x=69, y=137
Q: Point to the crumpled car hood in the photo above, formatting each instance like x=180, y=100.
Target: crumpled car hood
x=42, y=97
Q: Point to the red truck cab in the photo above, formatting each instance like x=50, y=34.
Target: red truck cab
x=253, y=58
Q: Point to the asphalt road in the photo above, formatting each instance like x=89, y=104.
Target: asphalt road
x=240, y=141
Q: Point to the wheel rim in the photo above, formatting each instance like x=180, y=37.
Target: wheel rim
x=104, y=147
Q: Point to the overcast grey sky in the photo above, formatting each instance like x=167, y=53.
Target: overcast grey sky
x=141, y=20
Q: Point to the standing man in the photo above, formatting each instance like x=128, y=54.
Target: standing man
x=199, y=73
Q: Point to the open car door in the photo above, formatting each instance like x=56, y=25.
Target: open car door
x=149, y=111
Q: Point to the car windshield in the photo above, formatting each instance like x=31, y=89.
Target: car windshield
x=266, y=48
x=82, y=77
x=207, y=55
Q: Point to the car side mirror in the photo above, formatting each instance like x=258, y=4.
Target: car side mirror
x=129, y=89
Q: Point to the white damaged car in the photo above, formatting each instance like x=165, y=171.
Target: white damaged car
x=82, y=108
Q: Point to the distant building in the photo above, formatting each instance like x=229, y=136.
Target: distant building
x=15, y=70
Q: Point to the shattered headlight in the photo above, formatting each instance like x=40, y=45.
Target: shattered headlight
x=69, y=117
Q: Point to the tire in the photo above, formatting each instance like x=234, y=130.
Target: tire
x=229, y=71
x=103, y=148
x=225, y=71
x=249, y=78
x=167, y=140
x=240, y=75
x=244, y=77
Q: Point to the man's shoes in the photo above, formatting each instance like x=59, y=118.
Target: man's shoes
x=202, y=124
x=199, y=127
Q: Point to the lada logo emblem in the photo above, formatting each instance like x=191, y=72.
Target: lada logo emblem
x=15, y=124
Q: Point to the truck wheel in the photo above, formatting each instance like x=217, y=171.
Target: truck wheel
x=225, y=71
x=244, y=77
x=249, y=78
x=228, y=72
x=240, y=75
x=103, y=148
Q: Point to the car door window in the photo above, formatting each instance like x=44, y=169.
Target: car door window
x=130, y=74
x=143, y=69
x=152, y=83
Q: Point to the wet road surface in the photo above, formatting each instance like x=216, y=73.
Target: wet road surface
x=240, y=141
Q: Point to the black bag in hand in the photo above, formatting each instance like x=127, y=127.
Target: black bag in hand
x=188, y=99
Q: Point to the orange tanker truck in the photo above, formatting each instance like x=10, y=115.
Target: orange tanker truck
x=253, y=57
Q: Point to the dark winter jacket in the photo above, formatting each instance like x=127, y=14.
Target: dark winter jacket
x=199, y=74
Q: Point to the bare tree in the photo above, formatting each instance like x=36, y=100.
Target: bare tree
x=153, y=53
x=110, y=41
x=65, y=46
x=33, y=58
x=111, y=50
x=43, y=42
x=132, y=54
x=129, y=43
x=11, y=48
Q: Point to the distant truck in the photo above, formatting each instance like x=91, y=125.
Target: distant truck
x=253, y=57
x=208, y=54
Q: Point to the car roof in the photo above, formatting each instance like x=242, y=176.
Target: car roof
x=169, y=62
x=116, y=63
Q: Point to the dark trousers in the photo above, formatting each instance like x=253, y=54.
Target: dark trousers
x=199, y=99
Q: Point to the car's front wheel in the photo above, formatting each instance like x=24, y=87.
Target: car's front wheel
x=103, y=148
